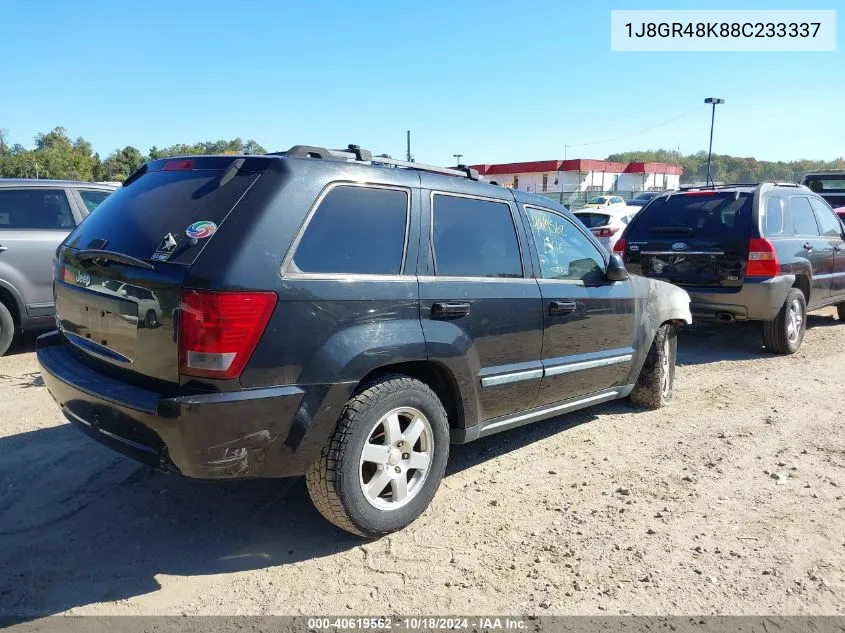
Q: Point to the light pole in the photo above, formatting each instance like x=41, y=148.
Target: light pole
x=30, y=160
x=457, y=158
x=714, y=101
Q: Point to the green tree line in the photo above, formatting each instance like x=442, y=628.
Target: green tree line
x=56, y=155
x=726, y=168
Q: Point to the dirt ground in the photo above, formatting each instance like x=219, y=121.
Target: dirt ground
x=730, y=501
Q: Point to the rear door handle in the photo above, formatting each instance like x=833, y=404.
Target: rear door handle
x=808, y=246
x=3, y=248
x=449, y=309
x=557, y=308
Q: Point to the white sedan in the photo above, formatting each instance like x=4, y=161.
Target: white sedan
x=607, y=223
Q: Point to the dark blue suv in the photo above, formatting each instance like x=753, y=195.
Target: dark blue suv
x=323, y=314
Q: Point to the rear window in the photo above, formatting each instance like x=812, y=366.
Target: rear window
x=355, y=230
x=591, y=220
x=137, y=217
x=35, y=209
x=707, y=217
x=598, y=200
x=834, y=183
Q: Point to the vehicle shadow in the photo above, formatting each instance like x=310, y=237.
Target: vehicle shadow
x=24, y=343
x=705, y=342
x=81, y=524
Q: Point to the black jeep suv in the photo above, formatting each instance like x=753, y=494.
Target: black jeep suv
x=767, y=252
x=342, y=316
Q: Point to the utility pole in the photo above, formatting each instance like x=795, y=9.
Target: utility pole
x=31, y=160
x=457, y=158
x=714, y=101
x=408, y=156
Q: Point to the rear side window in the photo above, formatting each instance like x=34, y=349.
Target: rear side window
x=474, y=238
x=35, y=209
x=774, y=216
x=355, y=230
x=592, y=220
x=802, y=216
x=829, y=223
x=711, y=216
x=93, y=199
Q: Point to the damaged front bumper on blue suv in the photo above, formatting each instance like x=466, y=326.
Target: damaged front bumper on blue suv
x=266, y=432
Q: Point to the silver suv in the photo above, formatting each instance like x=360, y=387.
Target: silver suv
x=35, y=216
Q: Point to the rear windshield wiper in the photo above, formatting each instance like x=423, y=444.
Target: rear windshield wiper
x=96, y=254
x=687, y=230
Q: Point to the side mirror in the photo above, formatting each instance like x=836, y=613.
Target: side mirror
x=616, y=270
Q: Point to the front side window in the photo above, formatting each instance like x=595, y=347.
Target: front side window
x=565, y=252
x=802, y=216
x=35, y=209
x=355, y=230
x=828, y=222
x=474, y=238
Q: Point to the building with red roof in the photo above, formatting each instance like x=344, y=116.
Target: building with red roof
x=583, y=174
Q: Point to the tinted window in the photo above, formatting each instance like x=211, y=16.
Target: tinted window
x=565, y=252
x=474, y=238
x=591, y=220
x=35, y=209
x=802, y=216
x=711, y=216
x=829, y=223
x=355, y=230
x=774, y=218
x=828, y=182
x=136, y=217
x=93, y=199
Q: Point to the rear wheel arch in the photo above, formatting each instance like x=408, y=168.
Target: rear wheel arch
x=8, y=300
x=802, y=282
x=438, y=378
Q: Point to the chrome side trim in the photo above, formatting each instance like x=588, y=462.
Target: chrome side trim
x=489, y=428
x=517, y=376
x=556, y=370
x=682, y=252
x=530, y=280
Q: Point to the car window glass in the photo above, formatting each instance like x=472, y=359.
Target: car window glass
x=774, y=216
x=355, y=230
x=35, y=209
x=802, y=216
x=474, y=238
x=564, y=252
x=92, y=199
x=829, y=223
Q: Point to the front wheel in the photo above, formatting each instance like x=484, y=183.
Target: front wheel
x=7, y=328
x=784, y=333
x=385, y=460
x=657, y=377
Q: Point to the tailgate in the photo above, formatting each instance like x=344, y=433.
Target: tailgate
x=119, y=275
x=695, y=239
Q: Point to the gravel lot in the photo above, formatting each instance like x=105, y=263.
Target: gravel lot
x=730, y=501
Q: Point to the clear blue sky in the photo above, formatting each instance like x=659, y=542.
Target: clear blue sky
x=495, y=81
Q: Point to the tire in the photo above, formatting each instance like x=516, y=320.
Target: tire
x=784, y=333
x=150, y=320
x=840, y=311
x=344, y=486
x=657, y=377
x=7, y=328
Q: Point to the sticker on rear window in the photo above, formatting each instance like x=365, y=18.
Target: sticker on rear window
x=201, y=229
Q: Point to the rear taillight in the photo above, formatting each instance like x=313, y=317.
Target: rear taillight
x=762, y=259
x=67, y=276
x=218, y=331
x=607, y=232
x=619, y=247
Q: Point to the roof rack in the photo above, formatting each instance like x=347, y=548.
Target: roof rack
x=356, y=153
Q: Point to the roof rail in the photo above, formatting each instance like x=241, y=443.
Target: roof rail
x=355, y=153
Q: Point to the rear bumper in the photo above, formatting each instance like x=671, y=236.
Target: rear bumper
x=759, y=299
x=265, y=432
